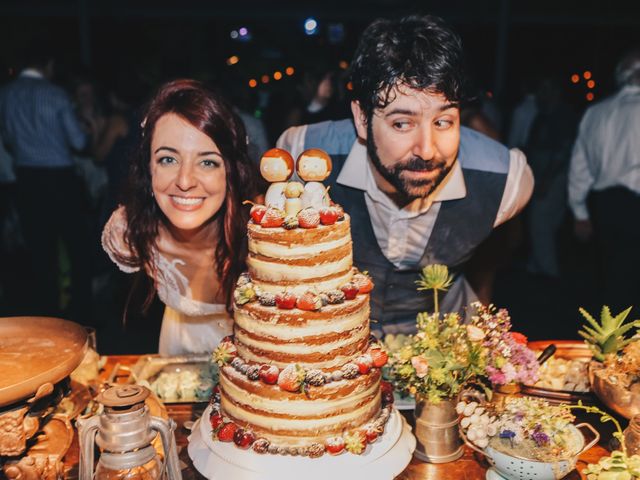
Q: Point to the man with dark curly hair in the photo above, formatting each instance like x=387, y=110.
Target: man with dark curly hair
x=420, y=189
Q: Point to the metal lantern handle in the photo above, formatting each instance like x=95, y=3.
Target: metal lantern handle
x=166, y=428
x=87, y=430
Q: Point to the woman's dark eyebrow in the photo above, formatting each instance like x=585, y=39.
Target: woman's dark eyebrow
x=173, y=150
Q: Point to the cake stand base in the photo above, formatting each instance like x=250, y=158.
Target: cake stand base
x=384, y=459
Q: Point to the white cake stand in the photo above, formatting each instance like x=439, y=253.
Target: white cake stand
x=384, y=459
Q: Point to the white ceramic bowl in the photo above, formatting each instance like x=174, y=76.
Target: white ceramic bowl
x=516, y=468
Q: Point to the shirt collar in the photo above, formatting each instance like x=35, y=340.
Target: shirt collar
x=352, y=175
x=31, y=73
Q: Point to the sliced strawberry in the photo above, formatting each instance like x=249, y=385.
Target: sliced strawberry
x=350, y=290
x=334, y=445
x=309, y=301
x=273, y=217
x=257, y=212
x=286, y=300
x=378, y=356
x=364, y=363
x=216, y=420
x=227, y=431
x=292, y=378
x=371, y=434
x=328, y=215
x=269, y=374
x=308, y=218
x=363, y=282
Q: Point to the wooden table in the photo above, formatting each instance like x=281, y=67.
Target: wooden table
x=469, y=467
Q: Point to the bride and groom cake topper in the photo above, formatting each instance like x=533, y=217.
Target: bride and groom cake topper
x=313, y=166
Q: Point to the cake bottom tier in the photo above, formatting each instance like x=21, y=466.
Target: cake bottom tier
x=384, y=459
x=298, y=419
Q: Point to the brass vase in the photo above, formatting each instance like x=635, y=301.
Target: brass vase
x=437, y=431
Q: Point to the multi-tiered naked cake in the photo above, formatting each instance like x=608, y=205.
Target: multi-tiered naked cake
x=301, y=375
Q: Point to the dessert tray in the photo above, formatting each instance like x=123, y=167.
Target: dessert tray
x=384, y=459
x=177, y=379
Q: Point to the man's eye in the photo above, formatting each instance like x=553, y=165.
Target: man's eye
x=166, y=160
x=401, y=125
x=443, y=124
x=210, y=163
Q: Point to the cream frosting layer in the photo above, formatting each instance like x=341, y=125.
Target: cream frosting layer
x=320, y=285
x=273, y=271
x=336, y=361
x=306, y=328
x=295, y=251
x=300, y=347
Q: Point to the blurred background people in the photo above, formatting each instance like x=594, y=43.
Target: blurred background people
x=41, y=131
x=548, y=149
x=604, y=184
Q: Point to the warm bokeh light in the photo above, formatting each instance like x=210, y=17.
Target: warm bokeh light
x=264, y=78
x=343, y=64
x=349, y=86
x=289, y=71
x=587, y=75
x=590, y=96
x=575, y=78
x=233, y=60
x=253, y=83
x=277, y=75
x=591, y=83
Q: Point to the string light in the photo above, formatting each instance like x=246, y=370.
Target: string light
x=277, y=75
x=233, y=60
x=590, y=96
x=350, y=86
x=591, y=83
x=575, y=78
x=587, y=75
x=253, y=83
x=264, y=79
x=343, y=64
x=289, y=71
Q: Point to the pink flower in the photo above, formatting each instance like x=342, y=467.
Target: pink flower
x=421, y=366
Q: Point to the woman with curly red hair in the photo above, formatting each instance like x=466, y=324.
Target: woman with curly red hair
x=182, y=220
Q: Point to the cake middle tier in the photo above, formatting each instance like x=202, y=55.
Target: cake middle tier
x=324, y=339
x=299, y=418
x=298, y=260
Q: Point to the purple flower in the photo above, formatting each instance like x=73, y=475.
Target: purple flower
x=540, y=438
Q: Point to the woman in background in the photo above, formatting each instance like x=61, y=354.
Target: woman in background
x=182, y=221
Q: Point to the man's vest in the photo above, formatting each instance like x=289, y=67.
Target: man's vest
x=461, y=225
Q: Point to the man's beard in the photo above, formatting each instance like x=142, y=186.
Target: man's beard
x=410, y=188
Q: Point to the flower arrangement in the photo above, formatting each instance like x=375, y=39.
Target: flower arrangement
x=523, y=426
x=509, y=360
x=442, y=357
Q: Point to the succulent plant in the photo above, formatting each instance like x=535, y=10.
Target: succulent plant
x=607, y=336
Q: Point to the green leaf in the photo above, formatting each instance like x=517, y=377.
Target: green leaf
x=620, y=318
x=606, y=320
x=590, y=319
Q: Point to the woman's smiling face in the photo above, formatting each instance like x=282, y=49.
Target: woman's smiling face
x=188, y=174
